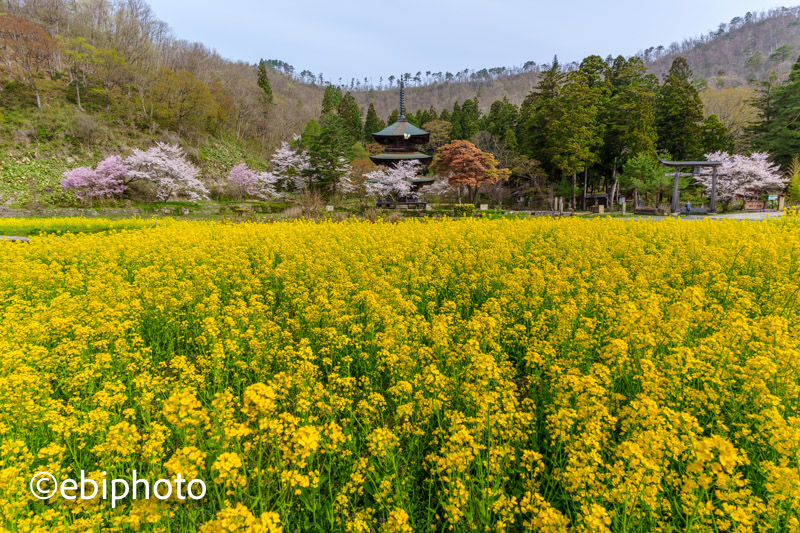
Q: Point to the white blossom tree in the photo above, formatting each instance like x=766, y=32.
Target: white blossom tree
x=247, y=182
x=166, y=167
x=743, y=176
x=243, y=180
x=437, y=189
x=392, y=182
x=345, y=184
x=290, y=165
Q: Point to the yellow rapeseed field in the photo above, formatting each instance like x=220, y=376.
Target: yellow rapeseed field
x=509, y=375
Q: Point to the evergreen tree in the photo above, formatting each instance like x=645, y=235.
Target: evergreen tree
x=331, y=100
x=763, y=103
x=629, y=116
x=393, y=117
x=714, y=136
x=263, y=81
x=679, y=112
x=457, y=132
x=372, y=124
x=311, y=132
x=779, y=130
x=645, y=175
x=327, y=153
x=350, y=113
x=510, y=139
x=423, y=116
x=501, y=120
x=470, y=117
x=432, y=114
x=538, y=109
x=575, y=133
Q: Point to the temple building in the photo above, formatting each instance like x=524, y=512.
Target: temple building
x=399, y=141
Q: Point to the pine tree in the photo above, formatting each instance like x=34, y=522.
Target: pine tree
x=538, y=109
x=423, y=116
x=372, y=124
x=331, y=100
x=393, y=117
x=679, y=112
x=779, y=130
x=470, y=117
x=455, y=119
x=629, y=116
x=350, y=113
x=263, y=81
x=575, y=133
x=327, y=155
x=714, y=136
x=311, y=132
x=501, y=120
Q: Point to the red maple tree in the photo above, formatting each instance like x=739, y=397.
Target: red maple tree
x=467, y=165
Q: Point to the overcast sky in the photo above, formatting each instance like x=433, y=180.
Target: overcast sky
x=370, y=39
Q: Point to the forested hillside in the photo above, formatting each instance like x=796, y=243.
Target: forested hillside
x=742, y=52
x=82, y=81
x=747, y=50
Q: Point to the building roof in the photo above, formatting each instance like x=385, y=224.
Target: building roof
x=395, y=156
x=401, y=128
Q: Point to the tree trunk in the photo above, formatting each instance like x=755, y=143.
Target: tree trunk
x=38, y=99
x=585, y=183
x=615, y=187
x=78, y=93
x=574, y=189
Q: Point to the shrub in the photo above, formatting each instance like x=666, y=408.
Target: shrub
x=463, y=210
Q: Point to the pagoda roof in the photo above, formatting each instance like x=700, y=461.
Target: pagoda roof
x=396, y=156
x=401, y=128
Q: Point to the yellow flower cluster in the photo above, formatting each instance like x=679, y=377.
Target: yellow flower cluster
x=509, y=375
x=13, y=226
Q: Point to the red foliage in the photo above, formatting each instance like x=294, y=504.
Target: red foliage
x=466, y=164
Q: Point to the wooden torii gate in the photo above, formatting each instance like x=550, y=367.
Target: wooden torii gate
x=695, y=166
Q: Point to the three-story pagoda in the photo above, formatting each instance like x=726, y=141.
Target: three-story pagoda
x=399, y=141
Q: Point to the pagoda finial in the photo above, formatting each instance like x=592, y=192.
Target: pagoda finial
x=402, y=100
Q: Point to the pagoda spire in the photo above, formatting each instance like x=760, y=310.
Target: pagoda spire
x=402, y=100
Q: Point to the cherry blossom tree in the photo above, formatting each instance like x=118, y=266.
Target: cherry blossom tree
x=243, y=180
x=743, y=176
x=166, y=167
x=105, y=181
x=345, y=184
x=247, y=182
x=290, y=165
x=392, y=182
